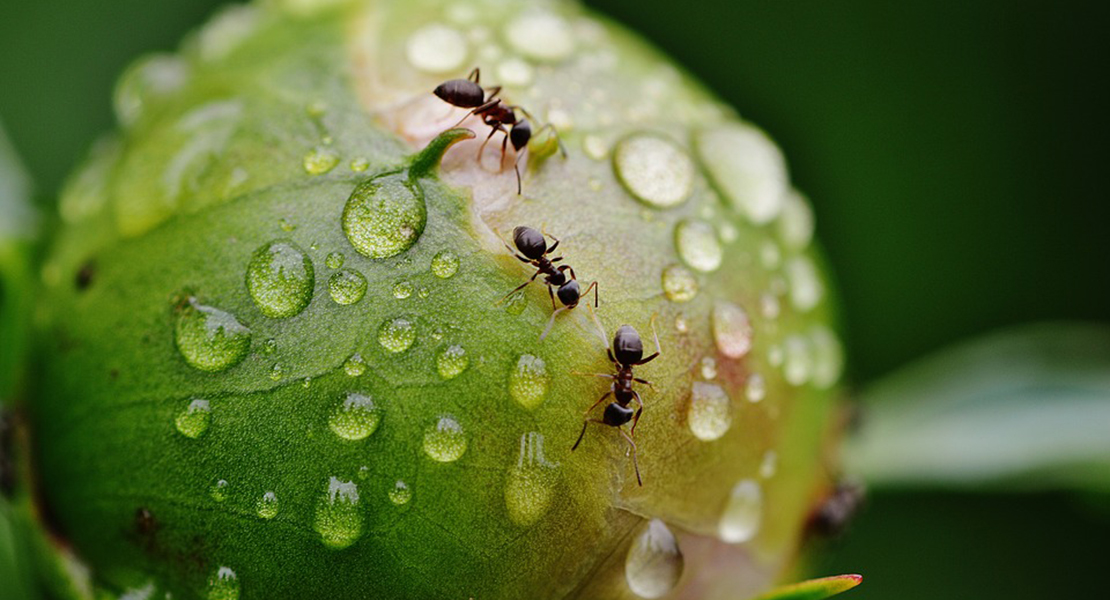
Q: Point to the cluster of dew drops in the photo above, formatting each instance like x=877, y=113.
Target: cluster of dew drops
x=656, y=171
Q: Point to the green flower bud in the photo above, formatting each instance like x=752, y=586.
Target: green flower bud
x=290, y=375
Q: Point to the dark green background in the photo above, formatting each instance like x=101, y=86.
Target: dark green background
x=954, y=152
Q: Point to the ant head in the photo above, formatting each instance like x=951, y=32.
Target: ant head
x=520, y=134
x=627, y=346
x=530, y=242
x=569, y=293
x=461, y=92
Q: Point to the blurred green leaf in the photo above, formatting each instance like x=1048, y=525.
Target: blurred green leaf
x=814, y=589
x=15, y=570
x=1027, y=408
x=18, y=229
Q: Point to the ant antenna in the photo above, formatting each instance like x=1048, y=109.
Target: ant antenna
x=551, y=322
x=600, y=330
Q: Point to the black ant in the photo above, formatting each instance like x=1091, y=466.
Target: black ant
x=533, y=246
x=627, y=351
x=468, y=93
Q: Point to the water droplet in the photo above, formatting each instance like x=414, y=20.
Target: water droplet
x=710, y=412
x=514, y=71
x=679, y=284
x=769, y=464
x=732, y=329
x=528, y=381
x=219, y=490
x=445, y=264
x=797, y=366
x=334, y=260
x=280, y=279
x=396, y=335
x=540, y=35
x=709, y=368
x=286, y=226
x=402, y=290
x=697, y=245
x=769, y=306
x=743, y=512
x=445, y=441
x=384, y=216
x=756, y=387
x=595, y=147
x=359, y=164
x=354, y=366
x=805, y=286
x=728, y=232
x=796, y=222
x=267, y=506
x=346, y=287
x=148, y=80
x=192, y=422
x=223, y=585
x=828, y=357
x=356, y=417
x=400, y=493
x=277, y=371
x=436, y=48
x=774, y=355
x=531, y=482
x=681, y=325
x=269, y=346
x=210, y=339
x=769, y=255
x=422, y=292
x=320, y=160
x=654, y=170
x=452, y=361
x=654, y=563
x=338, y=518
x=748, y=167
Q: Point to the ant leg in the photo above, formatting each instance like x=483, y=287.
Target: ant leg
x=644, y=381
x=551, y=292
x=587, y=292
x=571, y=269
x=493, y=92
x=556, y=259
x=658, y=350
x=604, y=375
x=555, y=239
x=635, y=463
x=562, y=149
x=481, y=148
x=475, y=75
x=516, y=289
x=599, y=401
x=551, y=321
x=580, y=435
x=636, y=417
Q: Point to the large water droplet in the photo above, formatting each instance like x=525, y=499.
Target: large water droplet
x=445, y=441
x=540, y=35
x=805, y=286
x=346, y=287
x=280, y=279
x=654, y=563
x=748, y=167
x=384, y=216
x=338, y=518
x=402, y=290
x=445, y=264
x=828, y=357
x=797, y=365
x=210, y=339
x=192, y=422
x=267, y=507
x=436, y=48
x=679, y=284
x=452, y=361
x=223, y=585
x=710, y=412
x=697, y=245
x=354, y=366
x=356, y=417
x=531, y=482
x=654, y=170
x=218, y=491
x=528, y=381
x=396, y=335
x=796, y=222
x=743, y=512
x=400, y=493
x=320, y=160
x=708, y=368
x=732, y=329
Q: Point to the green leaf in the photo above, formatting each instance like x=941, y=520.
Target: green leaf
x=18, y=229
x=15, y=568
x=1026, y=408
x=814, y=589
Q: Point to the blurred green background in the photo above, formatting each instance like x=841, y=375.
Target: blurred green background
x=954, y=154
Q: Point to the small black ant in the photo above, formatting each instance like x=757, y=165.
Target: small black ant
x=533, y=246
x=627, y=351
x=833, y=515
x=468, y=93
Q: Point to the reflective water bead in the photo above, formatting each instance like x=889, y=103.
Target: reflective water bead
x=654, y=562
x=192, y=422
x=355, y=417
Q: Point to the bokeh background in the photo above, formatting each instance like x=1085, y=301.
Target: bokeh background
x=955, y=155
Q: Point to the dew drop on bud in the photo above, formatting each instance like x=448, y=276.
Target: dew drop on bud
x=654, y=562
x=192, y=422
x=210, y=339
x=445, y=441
x=338, y=516
x=280, y=279
x=743, y=513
